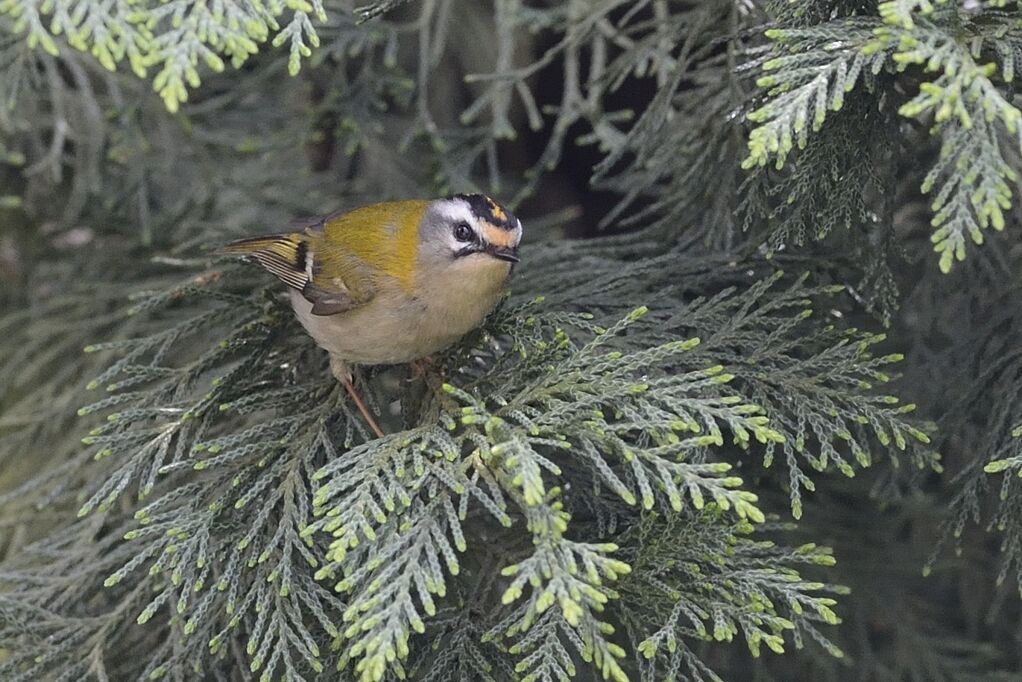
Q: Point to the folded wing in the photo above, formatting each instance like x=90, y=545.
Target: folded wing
x=333, y=282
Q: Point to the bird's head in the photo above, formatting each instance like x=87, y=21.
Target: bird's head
x=469, y=231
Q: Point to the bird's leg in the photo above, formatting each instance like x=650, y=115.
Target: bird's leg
x=341, y=371
x=350, y=388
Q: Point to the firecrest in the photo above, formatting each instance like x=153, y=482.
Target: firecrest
x=392, y=282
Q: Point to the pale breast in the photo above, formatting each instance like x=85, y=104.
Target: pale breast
x=397, y=327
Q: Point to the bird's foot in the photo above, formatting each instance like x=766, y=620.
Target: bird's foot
x=423, y=368
x=427, y=370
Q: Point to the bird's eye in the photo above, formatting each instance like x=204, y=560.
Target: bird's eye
x=463, y=233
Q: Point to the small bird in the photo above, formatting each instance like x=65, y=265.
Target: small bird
x=393, y=282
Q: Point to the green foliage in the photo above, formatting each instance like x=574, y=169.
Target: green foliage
x=175, y=39
x=595, y=484
x=630, y=418
x=757, y=573
x=804, y=85
x=951, y=56
x=803, y=376
x=988, y=490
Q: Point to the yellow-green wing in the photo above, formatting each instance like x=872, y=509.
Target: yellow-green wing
x=331, y=279
x=384, y=237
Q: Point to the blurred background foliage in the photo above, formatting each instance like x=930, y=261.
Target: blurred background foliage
x=594, y=494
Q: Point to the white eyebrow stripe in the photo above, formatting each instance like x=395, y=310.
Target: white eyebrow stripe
x=457, y=210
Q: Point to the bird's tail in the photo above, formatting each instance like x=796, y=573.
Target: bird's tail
x=285, y=255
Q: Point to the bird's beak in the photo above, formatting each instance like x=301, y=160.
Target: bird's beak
x=508, y=253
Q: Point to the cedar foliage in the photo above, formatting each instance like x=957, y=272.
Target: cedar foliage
x=769, y=425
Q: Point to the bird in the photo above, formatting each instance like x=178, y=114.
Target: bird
x=393, y=282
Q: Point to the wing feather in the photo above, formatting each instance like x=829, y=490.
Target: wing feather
x=295, y=258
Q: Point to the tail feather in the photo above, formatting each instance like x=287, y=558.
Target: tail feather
x=285, y=255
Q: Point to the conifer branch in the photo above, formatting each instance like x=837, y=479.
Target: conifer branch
x=814, y=67
x=562, y=498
